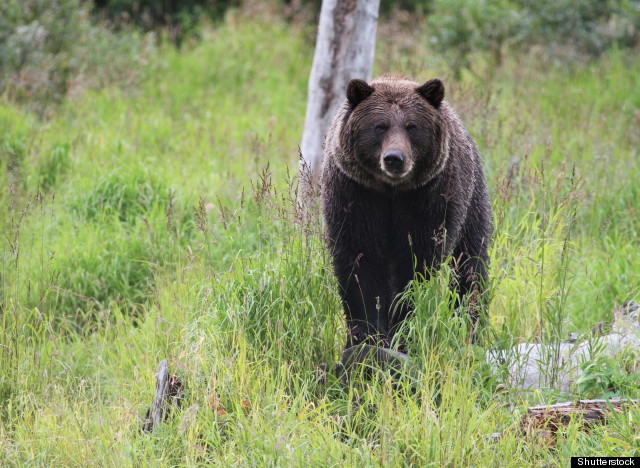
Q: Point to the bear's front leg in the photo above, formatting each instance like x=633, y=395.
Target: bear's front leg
x=365, y=296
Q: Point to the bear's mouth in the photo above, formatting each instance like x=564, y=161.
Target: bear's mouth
x=396, y=174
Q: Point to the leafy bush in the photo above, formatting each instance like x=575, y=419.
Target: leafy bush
x=571, y=28
x=179, y=18
x=386, y=6
x=48, y=47
x=589, y=27
x=463, y=27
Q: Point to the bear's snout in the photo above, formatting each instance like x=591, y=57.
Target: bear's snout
x=394, y=161
x=396, y=164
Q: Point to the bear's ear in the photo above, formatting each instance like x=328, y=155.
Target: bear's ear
x=358, y=90
x=432, y=91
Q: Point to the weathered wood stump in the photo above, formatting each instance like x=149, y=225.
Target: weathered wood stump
x=169, y=395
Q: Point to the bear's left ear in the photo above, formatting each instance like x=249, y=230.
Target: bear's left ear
x=432, y=91
x=358, y=90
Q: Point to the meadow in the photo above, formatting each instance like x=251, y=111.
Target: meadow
x=159, y=220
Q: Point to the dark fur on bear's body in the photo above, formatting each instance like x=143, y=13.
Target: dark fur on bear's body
x=402, y=188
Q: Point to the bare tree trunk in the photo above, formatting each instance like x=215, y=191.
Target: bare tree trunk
x=345, y=49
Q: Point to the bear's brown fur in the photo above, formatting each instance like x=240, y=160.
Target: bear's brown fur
x=402, y=188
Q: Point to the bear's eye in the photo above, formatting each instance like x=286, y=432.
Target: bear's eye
x=381, y=128
x=411, y=127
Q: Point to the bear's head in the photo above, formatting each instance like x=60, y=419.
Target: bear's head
x=393, y=132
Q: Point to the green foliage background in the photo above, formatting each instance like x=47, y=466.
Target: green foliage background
x=156, y=217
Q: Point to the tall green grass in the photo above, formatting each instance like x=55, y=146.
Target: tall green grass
x=162, y=222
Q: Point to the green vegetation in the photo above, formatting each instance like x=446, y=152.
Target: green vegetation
x=160, y=221
x=564, y=30
x=177, y=18
x=49, y=49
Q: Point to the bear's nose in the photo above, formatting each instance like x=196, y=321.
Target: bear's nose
x=393, y=160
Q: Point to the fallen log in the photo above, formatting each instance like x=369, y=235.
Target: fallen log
x=531, y=366
x=543, y=422
x=590, y=412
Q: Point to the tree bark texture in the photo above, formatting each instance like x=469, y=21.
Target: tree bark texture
x=345, y=48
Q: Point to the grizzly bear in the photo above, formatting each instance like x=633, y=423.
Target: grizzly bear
x=402, y=189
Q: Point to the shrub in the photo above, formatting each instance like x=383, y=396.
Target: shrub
x=463, y=27
x=48, y=47
x=386, y=6
x=178, y=18
x=569, y=28
x=588, y=27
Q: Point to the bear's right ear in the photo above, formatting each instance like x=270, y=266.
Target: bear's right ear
x=357, y=91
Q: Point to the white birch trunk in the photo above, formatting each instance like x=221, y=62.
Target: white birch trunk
x=345, y=48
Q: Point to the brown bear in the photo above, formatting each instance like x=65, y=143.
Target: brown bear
x=402, y=188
